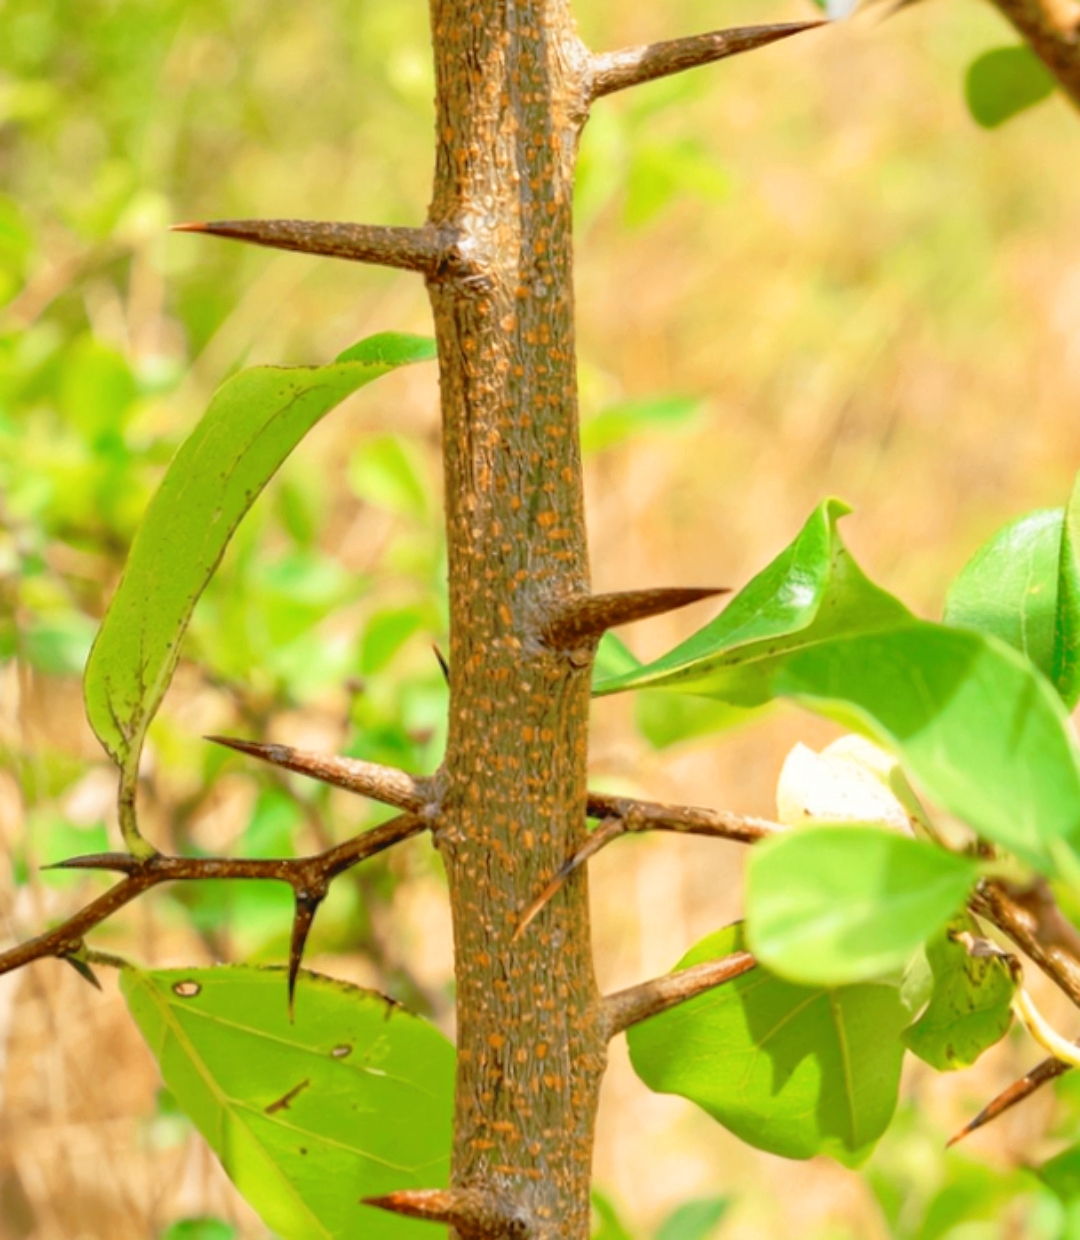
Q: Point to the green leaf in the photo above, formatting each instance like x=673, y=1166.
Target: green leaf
x=969, y=1008
x=200, y=1229
x=1023, y=586
x=387, y=471
x=1009, y=587
x=253, y=423
x=1062, y=1174
x=96, y=389
x=613, y=658
x=608, y=1224
x=353, y=1100
x=694, y=1220
x=1065, y=672
x=978, y=729
x=972, y=1191
x=813, y=591
x=58, y=643
x=621, y=422
x=665, y=719
x=794, y=1070
x=386, y=632
x=1003, y=82
x=829, y=905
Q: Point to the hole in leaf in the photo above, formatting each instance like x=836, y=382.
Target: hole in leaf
x=187, y=990
x=341, y=1052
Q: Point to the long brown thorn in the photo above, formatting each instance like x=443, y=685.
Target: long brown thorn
x=1020, y=1090
x=409, y=249
x=613, y=71
x=638, y=1003
x=367, y=779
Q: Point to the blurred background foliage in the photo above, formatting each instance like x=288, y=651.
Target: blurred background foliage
x=801, y=272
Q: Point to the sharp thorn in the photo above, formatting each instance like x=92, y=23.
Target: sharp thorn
x=278, y=755
x=579, y=620
x=412, y=249
x=84, y=970
x=470, y=1211
x=1018, y=1092
x=307, y=905
x=121, y=863
x=442, y=663
x=608, y=830
x=615, y=71
x=380, y=783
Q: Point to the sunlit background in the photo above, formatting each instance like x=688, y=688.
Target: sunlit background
x=803, y=272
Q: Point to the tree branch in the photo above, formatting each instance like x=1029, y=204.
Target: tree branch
x=689, y=820
x=625, y=816
x=613, y=71
x=630, y=1007
x=367, y=779
x=1032, y=920
x=1020, y=1090
x=308, y=877
x=1054, y=37
x=409, y=249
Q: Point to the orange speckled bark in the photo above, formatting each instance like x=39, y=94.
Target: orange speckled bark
x=512, y=88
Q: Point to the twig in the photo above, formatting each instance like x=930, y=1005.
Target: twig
x=1039, y=1076
x=368, y=779
x=308, y=877
x=613, y=71
x=1033, y=921
x=1031, y=918
x=626, y=816
x=409, y=249
x=687, y=819
x=630, y=1007
x=608, y=830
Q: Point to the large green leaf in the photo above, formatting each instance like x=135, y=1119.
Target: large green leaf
x=978, y=729
x=1065, y=672
x=970, y=1002
x=1062, y=1174
x=665, y=719
x=1023, y=586
x=794, y=1070
x=829, y=905
x=353, y=1100
x=810, y=593
x=254, y=421
x=1004, y=81
x=694, y=1220
x=608, y=1224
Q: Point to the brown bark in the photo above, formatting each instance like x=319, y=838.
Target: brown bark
x=511, y=96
